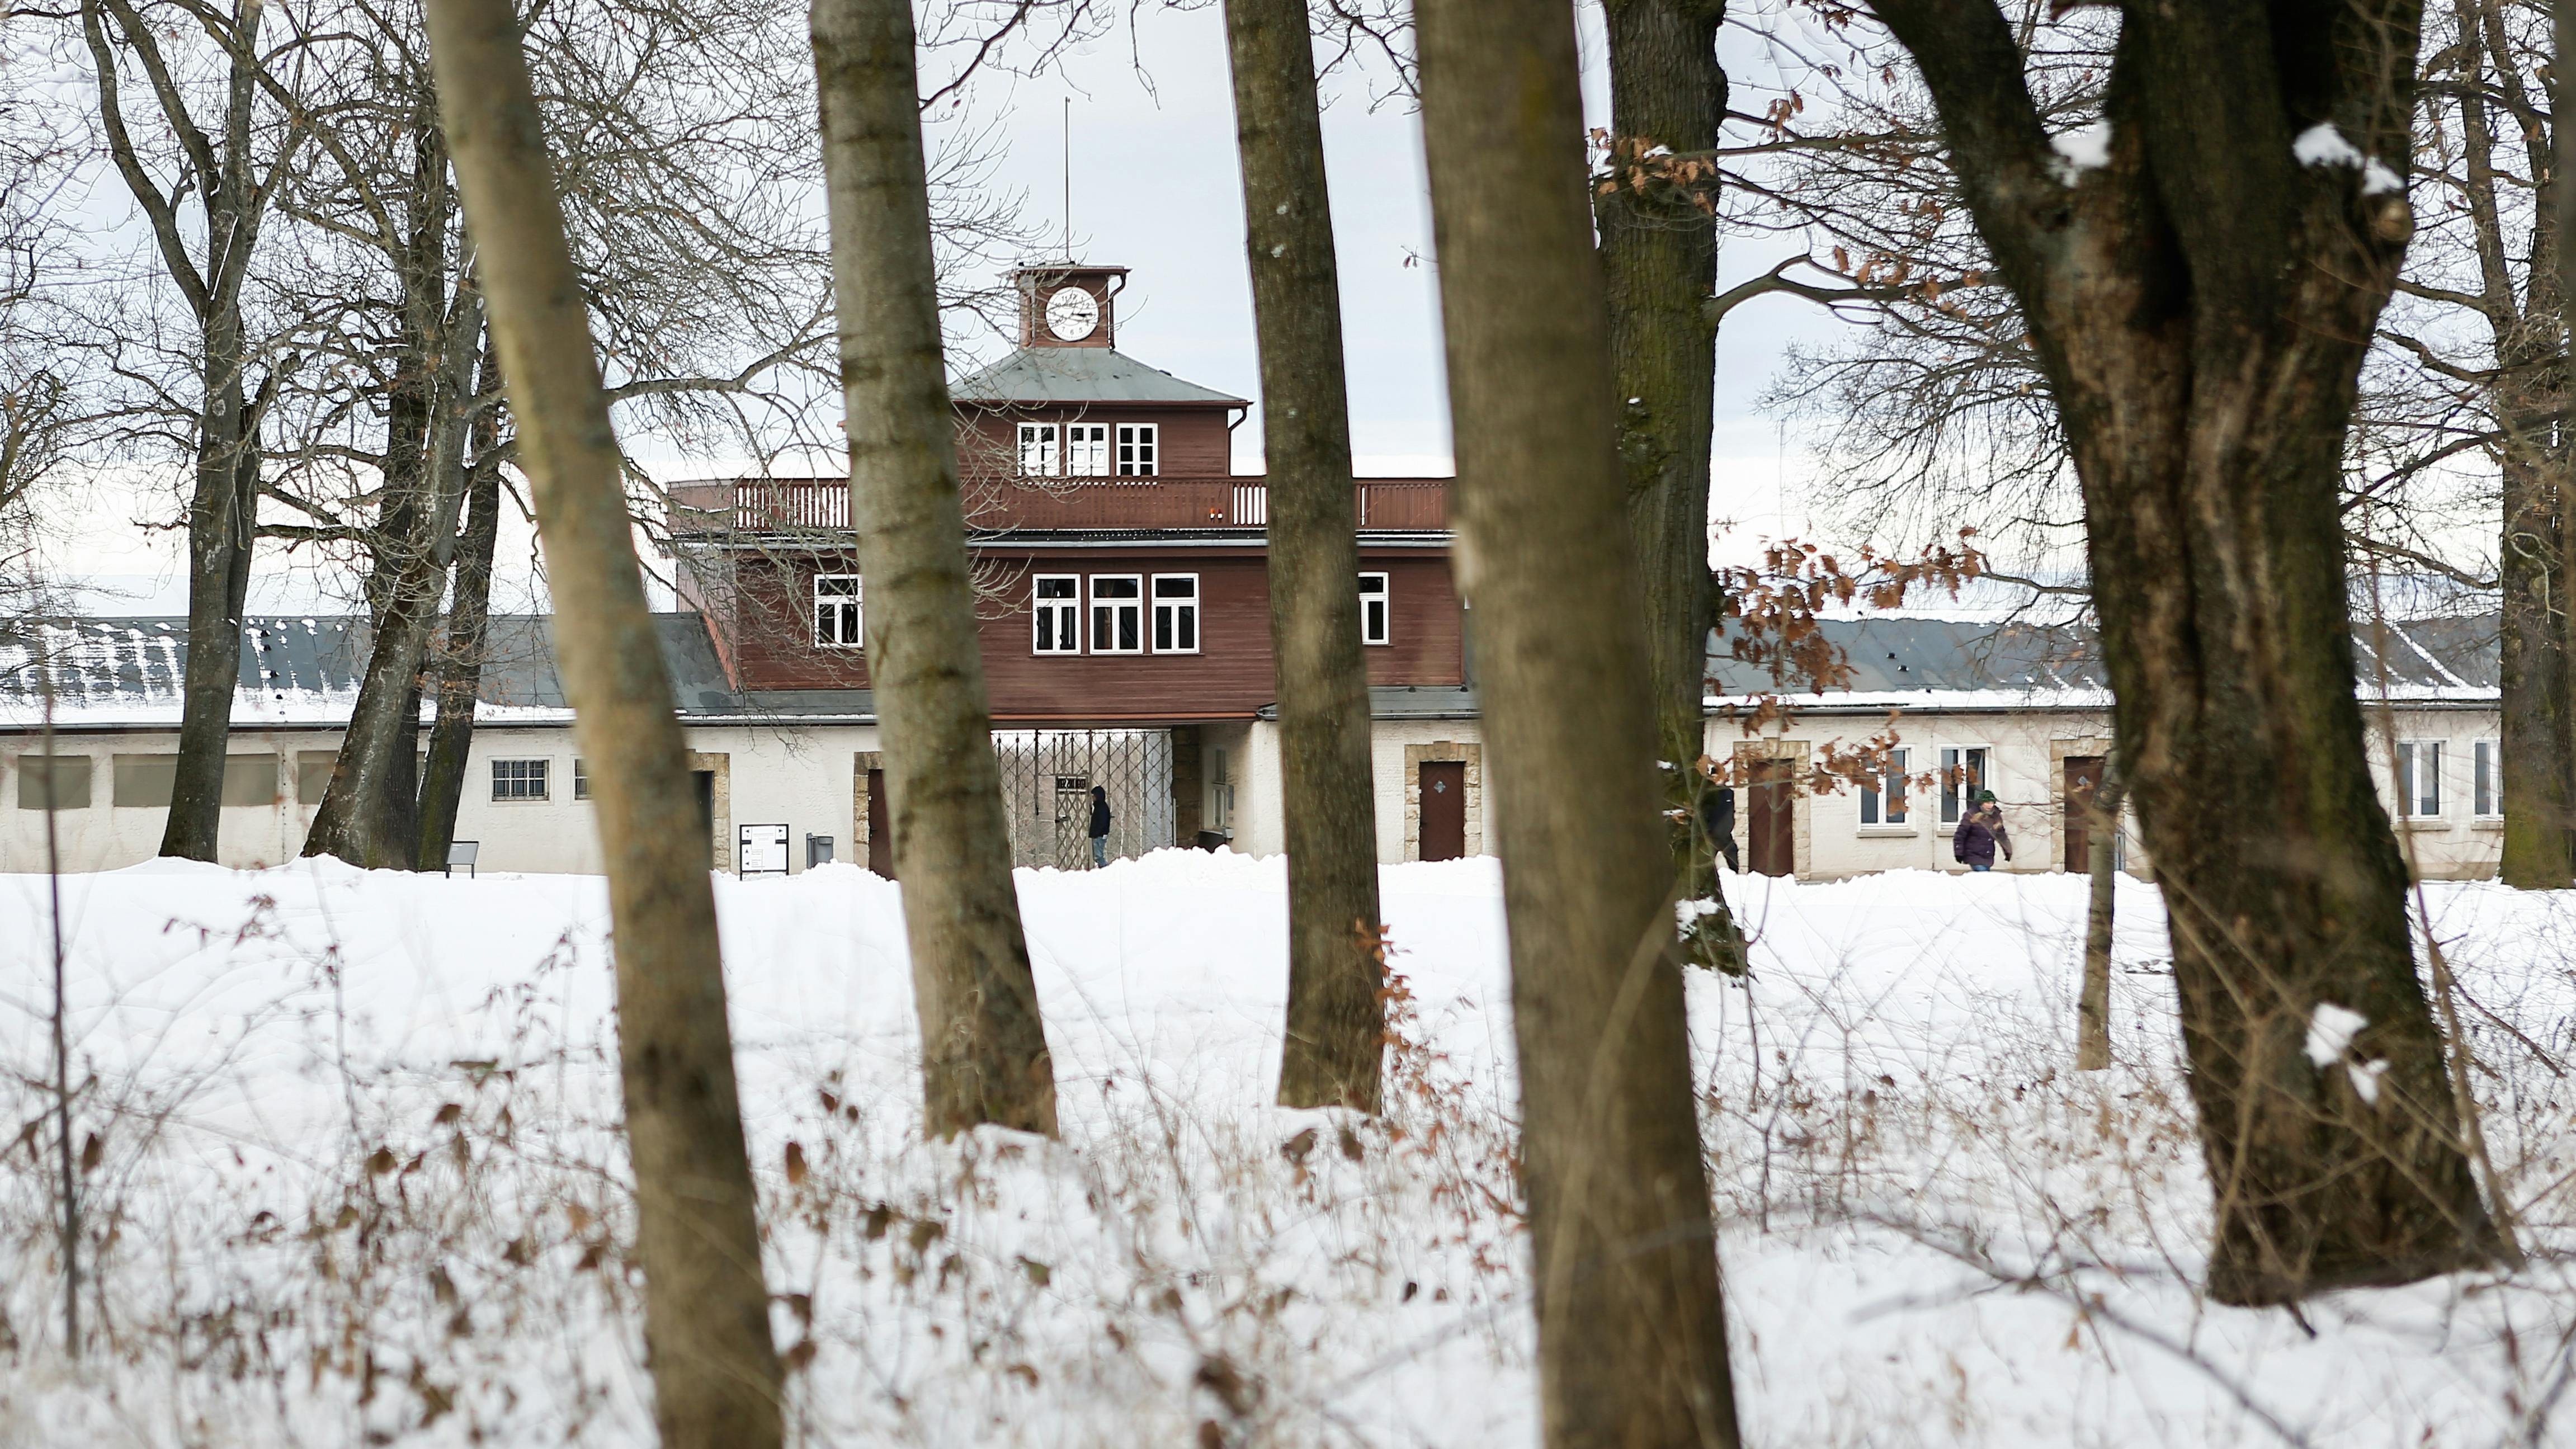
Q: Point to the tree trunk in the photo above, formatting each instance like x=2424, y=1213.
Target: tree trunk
x=219, y=553
x=2534, y=729
x=1336, y=962
x=984, y=1051
x=715, y=1368
x=460, y=664
x=2201, y=304
x=1632, y=1332
x=1659, y=260
x=2101, y=863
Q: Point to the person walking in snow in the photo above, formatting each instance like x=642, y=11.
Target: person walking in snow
x=1099, y=827
x=1717, y=821
x=1981, y=833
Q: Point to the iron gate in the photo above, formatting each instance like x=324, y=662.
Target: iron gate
x=1047, y=777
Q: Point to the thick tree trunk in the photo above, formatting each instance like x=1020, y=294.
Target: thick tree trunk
x=2101, y=863
x=2534, y=734
x=984, y=1051
x=715, y=1367
x=1659, y=260
x=1336, y=962
x=2201, y=304
x=460, y=666
x=1632, y=1330
x=219, y=555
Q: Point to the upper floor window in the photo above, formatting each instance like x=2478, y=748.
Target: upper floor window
x=1963, y=775
x=2487, y=781
x=1137, y=448
x=1037, y=449
x=1176, y=613
x=1056, y=600
x=1377, y=622
x=519, y=779
x=1086, y=450
x=838, y=623
x=2419, y=779
x=1882, y=793
x=1117, y=614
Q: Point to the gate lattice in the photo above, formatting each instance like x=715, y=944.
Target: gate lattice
x=1047, y=777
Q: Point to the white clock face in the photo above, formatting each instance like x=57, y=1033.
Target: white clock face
x=1072, y=314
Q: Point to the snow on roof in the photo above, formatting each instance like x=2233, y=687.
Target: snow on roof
x=1079, y=375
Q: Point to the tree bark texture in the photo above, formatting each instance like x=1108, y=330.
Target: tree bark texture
x=1336, y=1038
x=1659, y=261
x=706, y=1312
x=459, y=669
x=2101, y=863
x=1632, y=1330
x=984, y=1051
x=2200, y=306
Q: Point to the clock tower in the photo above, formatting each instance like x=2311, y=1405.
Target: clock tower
x=1069, y=305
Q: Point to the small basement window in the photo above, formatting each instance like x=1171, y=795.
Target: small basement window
x=146, y=782
x=838, y=623
x=519, y=780
x=53, y=782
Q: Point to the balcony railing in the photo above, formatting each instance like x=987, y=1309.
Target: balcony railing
x=822, y=505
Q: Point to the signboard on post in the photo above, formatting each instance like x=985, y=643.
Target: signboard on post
x=761, y=849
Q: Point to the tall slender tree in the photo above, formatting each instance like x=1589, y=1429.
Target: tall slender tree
x=2199, y=302
x=1336, y=1014
x=984, y=1051
x=1632, y=1329
x=715, y=1367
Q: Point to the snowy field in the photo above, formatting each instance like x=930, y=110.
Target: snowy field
x=355, y=1179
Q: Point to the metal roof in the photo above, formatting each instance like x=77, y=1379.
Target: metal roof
x=1080, y=375
x=1929, y=661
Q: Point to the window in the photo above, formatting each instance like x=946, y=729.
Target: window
x=581, y=779
x=1136, y=449
x=313, y=774
x=1057, y=603
x=2486, y=785
x=2419, y=779
x=1117, y=614
x=250, y=780
x=838, y=623
x=1963, y=774
x=53, y=782
x=1882, y=793
x=1176, y=613
x=1037, y=449
x=519, y=779
x=1220, y=806
x=1376, y=610
x=145, y=782
x=1086, y=450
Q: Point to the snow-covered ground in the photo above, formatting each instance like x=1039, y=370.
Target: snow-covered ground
x=356, y=1179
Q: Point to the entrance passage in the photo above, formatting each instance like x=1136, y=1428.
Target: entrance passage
x=1771, y=826
x=2083, y=779
x=1047, y=777
x=1443, y=787
x=880, y=827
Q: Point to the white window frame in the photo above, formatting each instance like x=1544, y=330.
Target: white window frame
x=2413, y=777
x=1140, y=450
x=1064, y=610
x=1377, y=609
x=1887, y=797
x=2486, y=780
x=1105, y=614
x=1956, y=792
x=538, y=772
x=851, y=605
x=580, y=778
x=1172, y=612
x=1086, y=450
x=1040, y=443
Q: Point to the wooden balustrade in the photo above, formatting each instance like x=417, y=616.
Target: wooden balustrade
x=822, y=505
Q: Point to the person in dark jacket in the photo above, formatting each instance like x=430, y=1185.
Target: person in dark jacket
x=1717, y=822
x=1981, y=833
x=1099, y=826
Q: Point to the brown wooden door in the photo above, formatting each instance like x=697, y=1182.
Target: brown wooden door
x=1444, y=809
x=2083, y=777
x=880, y=827
x=1771, y=826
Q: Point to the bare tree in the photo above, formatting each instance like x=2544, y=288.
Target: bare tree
x=2102, y=865
x=1632, y=1331
x=2200, y=291
x=706, y=1312
x=984, y=1051
x=1336, y=1013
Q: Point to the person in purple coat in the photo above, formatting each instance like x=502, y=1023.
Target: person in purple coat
x=1981, y=833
